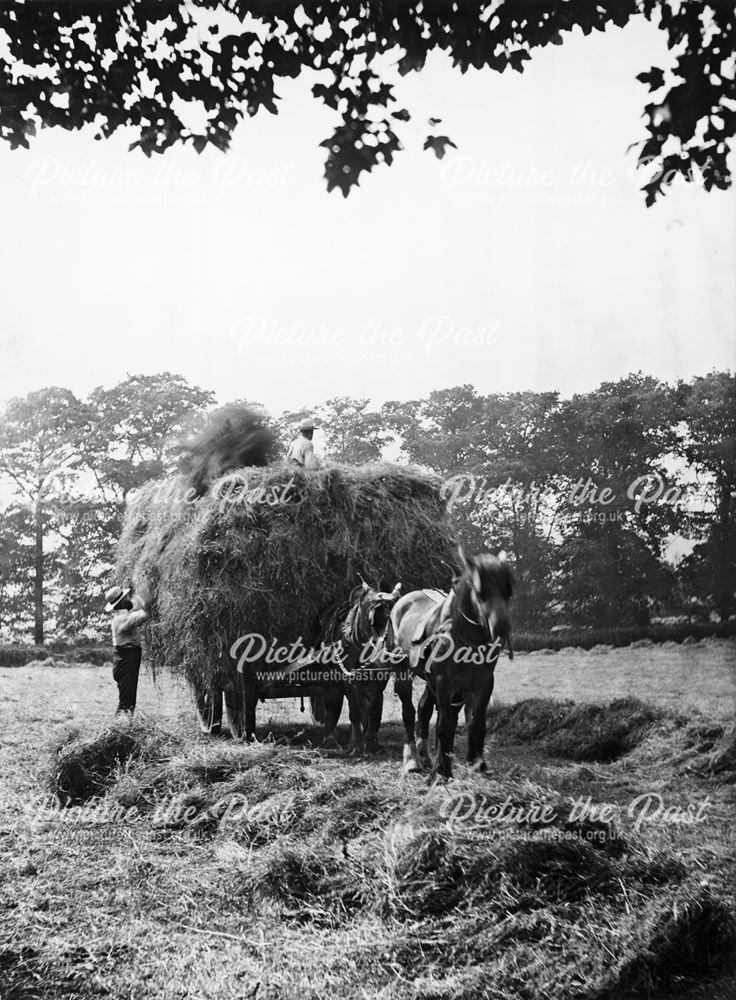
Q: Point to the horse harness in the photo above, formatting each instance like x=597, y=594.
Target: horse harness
x=350, y=638
x=438, y=620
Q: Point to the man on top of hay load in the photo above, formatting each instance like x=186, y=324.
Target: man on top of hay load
x=129, y=615
x=301, y=449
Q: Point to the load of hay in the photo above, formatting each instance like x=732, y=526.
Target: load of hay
x=264, y=549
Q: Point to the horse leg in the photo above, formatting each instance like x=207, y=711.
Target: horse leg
x=426, y=707
x=333, y=708
x=356, y=744
x=233, y=713
x=446, y=720
x=403, y=688
x=373, y=712
x=452, y=724
x=477, y=727
x=468, y=705
x=249, y=688
x=209, y=709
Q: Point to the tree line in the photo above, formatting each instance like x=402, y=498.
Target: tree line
x=615, y=506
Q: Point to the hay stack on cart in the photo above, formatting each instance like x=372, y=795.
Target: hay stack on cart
x=265, y=549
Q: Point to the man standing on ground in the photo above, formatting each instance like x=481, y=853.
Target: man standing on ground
x=301, y=449
x=129, y=613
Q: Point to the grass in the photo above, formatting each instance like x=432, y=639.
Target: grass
x=18, y=654
x=587, y=638
x=339, y=878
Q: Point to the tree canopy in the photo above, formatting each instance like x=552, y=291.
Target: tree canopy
x=140, y=63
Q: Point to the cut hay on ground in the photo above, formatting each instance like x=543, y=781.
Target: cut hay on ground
x=267, y=555
x=432, y=900
x=585, y=732
x=83, y=767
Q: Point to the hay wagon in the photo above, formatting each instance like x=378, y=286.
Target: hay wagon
x=262, y=552
x=219, y=706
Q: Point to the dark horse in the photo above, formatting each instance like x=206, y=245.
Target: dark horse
x=357, y=628
x=339, y=659
x=453, y=642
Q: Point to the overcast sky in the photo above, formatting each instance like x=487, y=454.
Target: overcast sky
x=524, y=260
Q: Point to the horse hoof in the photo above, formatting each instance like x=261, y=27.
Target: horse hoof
x=423, y=754
x=411, y=767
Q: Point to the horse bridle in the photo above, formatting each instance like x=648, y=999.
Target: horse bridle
x=483, y=625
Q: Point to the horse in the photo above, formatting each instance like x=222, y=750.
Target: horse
x=453, y=642
x=339, y=658
x=357, y=628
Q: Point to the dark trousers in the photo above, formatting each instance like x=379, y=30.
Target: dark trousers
x=125, y=674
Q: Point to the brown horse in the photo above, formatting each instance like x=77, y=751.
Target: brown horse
x=452, y=641
x=357, y=628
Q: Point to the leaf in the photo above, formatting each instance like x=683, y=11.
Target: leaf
x=517, y=58
x=411, y=62
x=654, y=78
x=438, y=144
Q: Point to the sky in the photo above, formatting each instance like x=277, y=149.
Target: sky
x=525, y=259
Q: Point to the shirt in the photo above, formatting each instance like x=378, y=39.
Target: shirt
x=301, y=451
x=125, y=624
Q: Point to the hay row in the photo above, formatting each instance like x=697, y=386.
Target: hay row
x=584, y=732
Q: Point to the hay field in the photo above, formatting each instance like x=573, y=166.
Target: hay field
x=344, y=880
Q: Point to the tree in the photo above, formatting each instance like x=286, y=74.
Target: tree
x=40, y=440
x=620, y=438
x=709, y=446
x=498, y=461
x=445, y=431
x=352, y=433
x=137, y=64
x=519, y=497
x=16, y=569
x=129, y=438
x=622, y=499
x=135, y=426
x=88, y=529
x=608, y=577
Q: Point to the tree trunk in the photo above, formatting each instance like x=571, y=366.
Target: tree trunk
x=38, y=577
